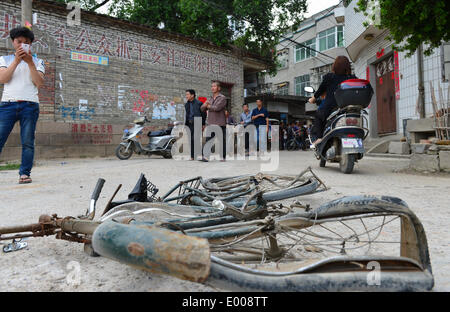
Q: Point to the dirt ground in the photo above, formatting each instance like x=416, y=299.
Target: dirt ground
x=64, y=187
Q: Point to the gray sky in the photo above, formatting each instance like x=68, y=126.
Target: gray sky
x=315, y=6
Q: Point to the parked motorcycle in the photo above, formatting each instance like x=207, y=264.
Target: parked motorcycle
x=346, y=128
x=160, y=142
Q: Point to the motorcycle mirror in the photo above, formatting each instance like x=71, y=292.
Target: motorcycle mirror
x=309, y=89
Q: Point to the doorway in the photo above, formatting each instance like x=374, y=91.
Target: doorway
x=386, y=102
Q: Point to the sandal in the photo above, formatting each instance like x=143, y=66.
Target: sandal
x=25, y=180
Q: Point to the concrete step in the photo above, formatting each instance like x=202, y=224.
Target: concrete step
x=386, y=155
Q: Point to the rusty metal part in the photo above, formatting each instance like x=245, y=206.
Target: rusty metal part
x=72, y=225
x=108, y=205
x=69, y=228
x=72, y=238
x=47, y=226
x=154, y=249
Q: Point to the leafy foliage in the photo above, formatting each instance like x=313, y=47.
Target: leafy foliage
x=413, y=22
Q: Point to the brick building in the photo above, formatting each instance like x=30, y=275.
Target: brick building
x=101, y=74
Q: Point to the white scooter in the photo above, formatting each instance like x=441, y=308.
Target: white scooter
x=160, y=142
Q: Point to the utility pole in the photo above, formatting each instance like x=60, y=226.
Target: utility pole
x=27, y=11
x=421, y=87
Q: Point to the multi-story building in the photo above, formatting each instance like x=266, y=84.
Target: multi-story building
x=396, y=79
x=305, y=55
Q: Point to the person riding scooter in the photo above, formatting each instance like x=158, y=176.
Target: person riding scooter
x=340, y=71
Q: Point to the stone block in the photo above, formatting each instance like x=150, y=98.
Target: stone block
x=420, y=125
x=11, y=153
x=444, y=160
x=49, y=152
x=401, y=148
x=93, y=151
x=424, y=162
x=61, y=139
x=419, y=148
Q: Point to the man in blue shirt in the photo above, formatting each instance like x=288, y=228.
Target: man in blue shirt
x=260, y=118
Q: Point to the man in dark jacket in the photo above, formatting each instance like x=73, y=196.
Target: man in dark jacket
x=193, y=110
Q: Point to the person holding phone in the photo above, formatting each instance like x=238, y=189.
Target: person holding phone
x=22, y=75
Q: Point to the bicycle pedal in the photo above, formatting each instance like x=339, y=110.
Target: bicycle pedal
x=14, y=246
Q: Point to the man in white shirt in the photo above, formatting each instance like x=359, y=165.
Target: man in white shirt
x=22, y=75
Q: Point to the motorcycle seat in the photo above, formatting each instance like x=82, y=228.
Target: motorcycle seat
x=159, y=133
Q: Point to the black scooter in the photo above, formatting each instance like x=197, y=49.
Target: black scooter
x=346, y=128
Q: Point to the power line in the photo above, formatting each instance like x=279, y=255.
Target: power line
x=322, y=15
x=305, y=46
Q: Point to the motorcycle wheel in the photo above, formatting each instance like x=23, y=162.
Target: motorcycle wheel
x=121, y=154
x=167, y=155
x=347, y=163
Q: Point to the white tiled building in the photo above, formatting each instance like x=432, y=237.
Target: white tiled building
x=300, y=67
x=374, y=58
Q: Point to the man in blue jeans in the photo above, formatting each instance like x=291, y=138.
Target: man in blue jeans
x=22, y=75
x=260, y=118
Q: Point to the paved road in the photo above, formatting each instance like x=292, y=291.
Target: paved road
x=64, y=187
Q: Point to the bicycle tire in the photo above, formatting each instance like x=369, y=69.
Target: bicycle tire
x=316, y=277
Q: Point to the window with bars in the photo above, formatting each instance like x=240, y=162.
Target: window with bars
x=303, y=52
x=282, y=89
x=300, y=83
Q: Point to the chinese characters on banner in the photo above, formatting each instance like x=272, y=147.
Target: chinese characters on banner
x=89, y=58
x=91, y=133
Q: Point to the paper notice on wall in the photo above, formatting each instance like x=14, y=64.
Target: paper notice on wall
x=83, y=105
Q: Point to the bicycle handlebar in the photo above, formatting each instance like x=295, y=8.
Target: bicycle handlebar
x=98, y=189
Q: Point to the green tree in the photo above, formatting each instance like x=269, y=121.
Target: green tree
x=412, y=22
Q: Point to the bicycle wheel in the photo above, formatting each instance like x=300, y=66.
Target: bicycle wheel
x=331, y=248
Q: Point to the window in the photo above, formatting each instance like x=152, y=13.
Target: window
x=317, y=75
x=303, y=52
x=300, y=83
x=340, y=36
x=327, y=39
x=445, y=55
x=283, y=58
x=282, y=89
x=331, y=38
